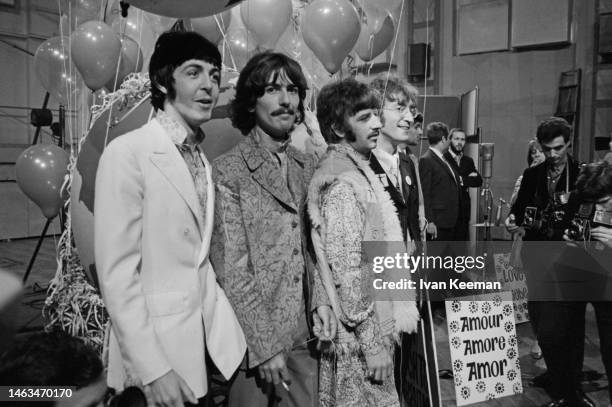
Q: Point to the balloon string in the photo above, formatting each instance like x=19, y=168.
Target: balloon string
x=108, y=122
x=225, y=42
x=121, y=39
x=371, y=48
x=397, y=29
x=426, y=58
x=140, y=27
x=425, y=96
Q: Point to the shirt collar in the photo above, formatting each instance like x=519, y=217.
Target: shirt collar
x=452, y=153
x=388, y=161
x=175, y=130
x=436, y=152
x=257, y=136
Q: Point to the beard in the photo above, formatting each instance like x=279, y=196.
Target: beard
x=455, y=150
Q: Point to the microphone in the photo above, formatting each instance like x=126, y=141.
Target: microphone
x=486, y=152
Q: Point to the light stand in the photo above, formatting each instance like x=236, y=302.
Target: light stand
x=39, y=118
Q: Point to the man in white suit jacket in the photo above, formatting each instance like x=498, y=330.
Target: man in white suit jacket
x=153, y=224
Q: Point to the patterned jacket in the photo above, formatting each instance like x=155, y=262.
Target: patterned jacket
x=260, y=246
x=348, y=206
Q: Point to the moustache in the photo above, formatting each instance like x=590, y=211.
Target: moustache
x=278, y=112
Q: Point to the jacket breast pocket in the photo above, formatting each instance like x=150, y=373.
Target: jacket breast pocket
x=167, y=303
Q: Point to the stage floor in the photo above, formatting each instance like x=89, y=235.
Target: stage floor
x=15, y=255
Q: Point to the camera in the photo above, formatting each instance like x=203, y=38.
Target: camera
x=531, y=218
x=587, y=218
x=603, y=218
x=579, y=226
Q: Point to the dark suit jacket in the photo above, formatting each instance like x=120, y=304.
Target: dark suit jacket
x=464, y=168
x=534, y=192
x=406, y=201
x=441, y=191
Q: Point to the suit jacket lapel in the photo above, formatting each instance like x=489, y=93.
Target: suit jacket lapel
x=171, y=164
x=407, y=170
x=265, y=172
x=296, y=171
x=446, y=166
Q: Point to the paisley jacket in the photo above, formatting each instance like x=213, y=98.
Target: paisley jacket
x=260, y=245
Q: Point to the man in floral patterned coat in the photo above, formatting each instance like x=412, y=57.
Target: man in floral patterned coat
x=350, y=208
x=259, y=249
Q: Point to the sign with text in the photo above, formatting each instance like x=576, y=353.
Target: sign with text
x=513, y=280
x=484, y=348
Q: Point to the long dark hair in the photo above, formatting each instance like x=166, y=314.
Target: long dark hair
x=253, y=81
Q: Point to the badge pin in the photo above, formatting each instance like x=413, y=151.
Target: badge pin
x=408, y=180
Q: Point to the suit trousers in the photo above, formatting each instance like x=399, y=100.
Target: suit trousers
x=561, y=334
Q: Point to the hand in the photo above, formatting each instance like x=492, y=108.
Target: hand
x=274, y=370
x=422, y=224
x=432, y=230
x=602, y=234
x=380, y=366
x=512, y=227
x=325, y=323
x=169, y=390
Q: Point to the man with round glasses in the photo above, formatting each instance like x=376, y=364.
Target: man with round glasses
x=397, y=169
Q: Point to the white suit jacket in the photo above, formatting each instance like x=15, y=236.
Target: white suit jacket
x=151, y=252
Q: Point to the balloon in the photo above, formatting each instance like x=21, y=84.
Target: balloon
x=40, y=172
x=159, y=24
x=134, y=26
x=95, y=52
x=292, y=44
x=266, y=19
x=185, y=8
x=208, y=27
x=56, y=74
x=373, y=42
x=80, y=11
x=240, y=47
x=131, y=61
x=331, y=29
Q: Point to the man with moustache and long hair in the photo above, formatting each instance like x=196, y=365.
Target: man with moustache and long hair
x=260, y=248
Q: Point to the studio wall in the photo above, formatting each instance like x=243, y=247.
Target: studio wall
x=518, y=89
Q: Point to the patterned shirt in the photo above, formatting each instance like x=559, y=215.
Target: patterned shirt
x=190, y=151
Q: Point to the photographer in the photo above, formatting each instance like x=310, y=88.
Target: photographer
x=586, y=263
x=538, y=214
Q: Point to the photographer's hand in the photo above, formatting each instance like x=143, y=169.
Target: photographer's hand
x=602, y=234
x=432, y=230
x=512, y=227
x=567, y=238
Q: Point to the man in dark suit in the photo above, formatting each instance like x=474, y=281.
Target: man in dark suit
x=441, y=187
x=537, y=214
x=469, y=177
x=397, y=170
